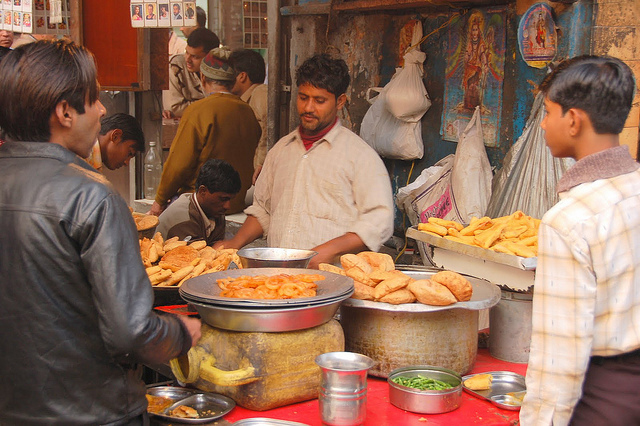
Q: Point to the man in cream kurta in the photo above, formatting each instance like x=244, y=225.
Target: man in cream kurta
x=322, y=187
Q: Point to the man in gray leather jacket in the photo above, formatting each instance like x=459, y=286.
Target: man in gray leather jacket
x=75, y=301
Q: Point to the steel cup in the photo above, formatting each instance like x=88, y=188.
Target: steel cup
x=343, y=392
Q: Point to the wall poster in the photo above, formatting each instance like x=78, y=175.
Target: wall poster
x=475, y=73
x=537, y=36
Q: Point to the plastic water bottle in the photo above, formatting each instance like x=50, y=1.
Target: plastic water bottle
x=152, y=171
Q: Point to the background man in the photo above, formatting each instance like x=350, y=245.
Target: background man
x=184, y=73
x=321, y=187
x=6, y=40
x=75, y=299
x=119, y=139
x=218, y=126
x=201, y=214
x=249, y=85
x=584, y=365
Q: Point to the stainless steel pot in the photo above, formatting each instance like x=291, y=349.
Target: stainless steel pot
x=395, y=336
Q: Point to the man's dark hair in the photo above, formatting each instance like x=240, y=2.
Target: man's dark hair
x=603, y=87
x=251, y=62
x=130, y=127
x=35, y=77
x=202, y=37
x=323, y=72
x=201, y=17
x=219, y=176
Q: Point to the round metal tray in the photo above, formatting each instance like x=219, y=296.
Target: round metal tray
x=205, y=289
x=485, y=295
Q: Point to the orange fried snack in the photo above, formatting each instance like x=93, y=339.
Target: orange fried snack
x=281, y=286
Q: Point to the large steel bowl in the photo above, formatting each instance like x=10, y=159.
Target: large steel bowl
x=267, y=319
x=270, y=257
x=426, y=401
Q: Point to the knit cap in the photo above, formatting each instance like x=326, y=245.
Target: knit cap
x=216, y=65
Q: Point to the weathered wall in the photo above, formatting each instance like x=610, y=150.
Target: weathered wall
x=617, y=33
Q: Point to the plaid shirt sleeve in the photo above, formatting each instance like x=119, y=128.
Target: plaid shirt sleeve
x=562, y=324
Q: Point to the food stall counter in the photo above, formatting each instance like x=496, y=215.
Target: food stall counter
x=380, y=412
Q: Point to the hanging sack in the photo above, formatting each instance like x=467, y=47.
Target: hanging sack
x=390, y=137
x=471, y=175
x=406, y=97
x=529, y=175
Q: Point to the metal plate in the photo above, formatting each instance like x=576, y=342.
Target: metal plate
x=210, y=406
x=485, y=295
x=504, y=383
x=204, y=288
x=525, y=263
x=264, y=421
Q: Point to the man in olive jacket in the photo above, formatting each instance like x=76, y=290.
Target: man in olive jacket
x=75, y=301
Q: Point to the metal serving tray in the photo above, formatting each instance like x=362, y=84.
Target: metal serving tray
x=504, y=383
x=485, y=295
x=210, y=406
x=204, y=288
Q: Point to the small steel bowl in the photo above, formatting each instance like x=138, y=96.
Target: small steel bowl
x=270, y=257
x=427, y=401
x=506, y=402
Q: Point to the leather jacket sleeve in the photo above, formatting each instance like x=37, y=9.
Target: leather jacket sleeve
x=121, y=290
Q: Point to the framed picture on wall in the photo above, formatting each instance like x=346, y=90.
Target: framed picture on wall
x=177, y=19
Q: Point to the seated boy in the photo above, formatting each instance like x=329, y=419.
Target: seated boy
x=200, y=215
x=584, y=365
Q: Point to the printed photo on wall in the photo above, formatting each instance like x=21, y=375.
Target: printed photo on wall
x=136, y=15
x=39, y=4
x=7, y=4
x=27, y=25
x=150, y=17
x=537, y=38
x=163, y=15
x=17, y=21
x=189, y=14
x=27, y=5
x=176, y=14
x=475, y=73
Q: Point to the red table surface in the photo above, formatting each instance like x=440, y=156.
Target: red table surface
x=472, y=410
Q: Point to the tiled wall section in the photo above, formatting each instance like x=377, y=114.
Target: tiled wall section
x=617, y=33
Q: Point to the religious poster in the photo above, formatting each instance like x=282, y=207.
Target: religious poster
x=474, y=73
x=537, y=36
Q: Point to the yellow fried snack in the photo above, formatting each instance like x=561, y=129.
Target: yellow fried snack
x=390, y=285
x=446, y=223
x=431, y=293
x=357, y=274
x=362, y=291
x=477, y=225
x=198, y=245
x=381, y=261
x=479, y=382
x=399, y=297
x=434, y=228
x=350, y=261
x=456, y=283
x=331, y=268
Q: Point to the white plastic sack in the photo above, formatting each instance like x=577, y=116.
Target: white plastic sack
x=471, y=176
x=406, y=97
x=430, y=195
x=390, y=137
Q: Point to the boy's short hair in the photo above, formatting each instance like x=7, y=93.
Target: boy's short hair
x=35, y=77
x=323, y=72
x=603, y=87
x=130, y=127
x=219, y=176
x=201, y=17
x=203, y=37
x=251, y=62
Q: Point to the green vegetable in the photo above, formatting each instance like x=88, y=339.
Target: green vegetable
x=421, y=383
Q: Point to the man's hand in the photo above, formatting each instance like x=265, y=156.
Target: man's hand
x=168, y=114
x=193, y=326
x=156, y=209
x=256, y=173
